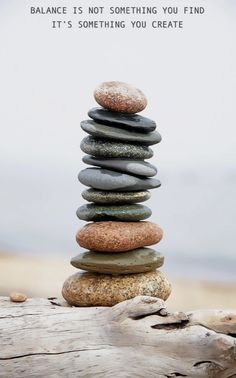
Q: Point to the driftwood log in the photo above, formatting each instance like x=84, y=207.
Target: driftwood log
x=136, y=338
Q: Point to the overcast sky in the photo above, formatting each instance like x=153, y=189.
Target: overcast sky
x=48, y=76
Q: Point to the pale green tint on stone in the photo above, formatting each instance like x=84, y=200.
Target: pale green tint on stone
x=104, y=148
x=94, y=212
x=105, y=197
x=136, y=261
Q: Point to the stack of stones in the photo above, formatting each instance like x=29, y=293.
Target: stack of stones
x=118, y=264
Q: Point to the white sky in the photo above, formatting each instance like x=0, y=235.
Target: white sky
x=48, y=76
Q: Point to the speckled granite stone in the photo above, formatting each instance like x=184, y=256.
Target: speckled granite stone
x=134, y=167
x=105, y=179
x=118, y=236
x=120, y=97
x=123, y=120
x=105, y=197
x=105, y=148
x=137, y=261
x=101, y=131
x=94, y=212
x=94, y=289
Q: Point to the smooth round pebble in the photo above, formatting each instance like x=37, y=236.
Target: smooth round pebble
x=118, y=236
x=112, y=149
x=105, y=179
x=95, y=289
x=18, y=297
x=137, y=261
x=94, y=212
x=101, y=131
x=105, y=197
x=135, y=167
x=120, y=97
x=123, y=120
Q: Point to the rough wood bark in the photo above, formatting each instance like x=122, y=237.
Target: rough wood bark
x=136, y=338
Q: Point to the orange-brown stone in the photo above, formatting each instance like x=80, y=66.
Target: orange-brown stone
x=118, y=236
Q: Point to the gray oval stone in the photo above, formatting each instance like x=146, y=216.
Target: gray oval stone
x=94, y=212
x=105, y=179
x=136, y=261
x=135, y=167
x=123, y=120
x=112, y=149
x=104, y=197
x=101, y=131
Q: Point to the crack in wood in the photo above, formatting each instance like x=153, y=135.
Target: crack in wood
x=27, y=314
x=171, y=326
x=47, y=354
x=209, y=364
x=14, y=317
x=202, y=363
x=55, y=303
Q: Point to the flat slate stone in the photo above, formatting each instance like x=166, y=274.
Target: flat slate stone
x=112, y=149
x=120, y=97
x=94, y=212
x=101, y=131
x=105, y=179
x=136, y=261
x=96, y=289
x=118, y=236
x=122, y=120
x=105, y=197
x=134, y=167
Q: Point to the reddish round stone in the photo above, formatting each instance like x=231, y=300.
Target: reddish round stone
x=120, y=97
x=118, y=236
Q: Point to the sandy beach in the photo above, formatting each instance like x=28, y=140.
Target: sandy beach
x=44, y=276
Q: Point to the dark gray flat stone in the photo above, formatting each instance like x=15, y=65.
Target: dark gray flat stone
x=94, y=212
x=101, y=131
x=105, y=179
x=104, y=197
x=112, y=149
x=136, y=261
x=122, y=120
x=134, y=167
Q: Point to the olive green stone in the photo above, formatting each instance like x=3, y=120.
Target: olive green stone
x=106, y=197
x=136, y=261
x=105, y=148
x=93, y=212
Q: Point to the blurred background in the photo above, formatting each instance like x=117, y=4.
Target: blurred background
x=47, y=80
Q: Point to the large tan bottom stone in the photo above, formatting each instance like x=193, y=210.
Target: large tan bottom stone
x=94, y=289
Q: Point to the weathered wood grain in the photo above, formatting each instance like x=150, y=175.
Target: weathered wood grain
x=136, y=338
